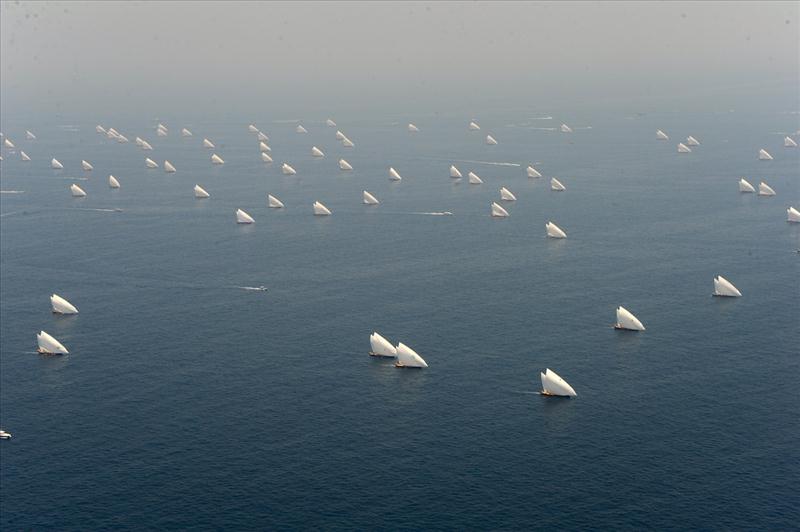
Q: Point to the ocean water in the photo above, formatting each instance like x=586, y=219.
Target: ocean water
x=187, y=401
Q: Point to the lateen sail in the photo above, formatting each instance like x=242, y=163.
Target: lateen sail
x=788, y=142
x=556, y=185
x=554, y=231
x=532, y=172
x=498, y=211
x=408, y=358
x=273, y=202
x=316, y=152
x=393, y=175
x=287, y=170
x=565, y=128
x=320, y=209
x=763, y=155
x=55, y=165
x=262, y=146
x=186, y=133
x=76, y=191
x=792, y=215
x=216, y=159
x=454, y=172
x=49, y=345
x=553, y=384
x=24, y=156
x=200, y=192
x=474, y=179
x=691, y=141
x=490, y=140
x=506, y=195
x=168, y=168
x=412, y=128
x=724, y=288
x=330, y=123
x=300, y=129
x=744, y=186
x=113, y=182
x=380, y=346
x=86, y=166
x=660, y=135
x=473, y=126
x=344, y=165
x=265, y=157
x=61, y=305
x=369, y=199
x=150, y=163
x=243, y=218
x=765, y=190
x=683, y=148
x=626, y=320
x=207, y=143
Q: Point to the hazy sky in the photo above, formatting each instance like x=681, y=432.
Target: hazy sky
x=69, y=55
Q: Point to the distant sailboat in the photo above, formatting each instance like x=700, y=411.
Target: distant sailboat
x=99, y=128
x=287, y=170
x=474, y=179
x=138, y=141
x=660, y=135
x=252, y=129
x=122, y=138
x=216, y=159
x=765, y=190
x=683, y=148
x=61, y=305
x=554, y=385
x=454, y=172
x=347, y=143
x=112, y=134
x=554, y=231
x=273, y=202
x=262, y=146
x=724, y=288
x=626, y=320
x=243, y=218
x=691, y=141
x=31, y=136
x=490, y=140
x=763, y=155
x=146, y=145
x=262, y=137
x=408, y=358
x=498, y=211
x=207, y=143
x=8, y=144
x=744, y=186
x=330, y=123
x=86, y=166
x=113, y=182
x=49, y=345
x=369, y=199
x=340, y=135
x=200, y=192
x=792, y=215
x=76, y=191
x=168, y=168
x=300, y=129
x=320, y=209
x=412, y=128
x=55, y=165
x=506, y=195
x=380, y=346
x=186, y=133
x=393, y=175
x=161, y=132
x=161, y=127
x=265, y=157
x=556, y=185
x=150, y=163
x=473, y=126
x=565, y=128
x=316, y=152
x=24, y=156
x=788, y=142
x=344, y=165
x=532, y=172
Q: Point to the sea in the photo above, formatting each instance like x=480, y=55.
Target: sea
x=190, y=400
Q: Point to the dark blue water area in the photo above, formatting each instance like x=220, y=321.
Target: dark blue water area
x=187, y=401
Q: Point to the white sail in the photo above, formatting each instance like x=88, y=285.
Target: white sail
x=344, y=165
x=146, y=145
x=55, y=165
x=262, y=147
x=243, y=218
x=626, y=320
x=408, y=358
x=532, y=172
x=8, y=144
x=113, y=182
x=300, y=129
x=330, y=123
x=208, y=144
x=393, y=175
x=369, y=199
x=660, y=135
x=744, y=186
x=788, y=142
x=61, y=305
x=316, y=152
x=76, y=191
x=265, y=157
x=86, y=166
x=161, y=127
x=683, y=148
x=320, y=209
x=138, y=141
x=168, y=168
x=216, y=159
x=112, y=134
x=506, y=195
x=554, y=231
x=150, y=163
x=763, y=155
x=252, y=129
x=691, y=141
x=122, y=138
x=454, y=172
x=186, y=133
x=99, y=128
x=412, y=128
x=473, y=126
x=380, y=346
x=49, y=345
x=792, y=215
x=31, y=136
x=556, y=185
x=200, y=192
x=725, y=288
x=262, y=137
x=474, y=179
x=347, y=143
x=273, y=202
x=565, y=128
x=553, y=384
x=287, y=170
x=340, y=135
x=161, y=132
x=24, y=156
x=490, y=140
x=498, y=211
x=765, y=190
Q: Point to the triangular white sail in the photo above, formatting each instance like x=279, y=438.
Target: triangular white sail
x=490, y=140
x=76, y=191
x=660, y=135
x=788, y=142
x=186, y=133
x=99, y=128
x=273, y=202
x=138, y=141
x=61, y=305
x=150, y=163
x=473, y=126
x=168, y=168
x=744, y=186
x=262, y=137
x=792, y=215
x=556, y=185
x=216, y=159
x=765, y=190
x=122, y=138
x=347, y=143
x=243, y=218
x=252, y=129
x=316, y=152
x=763, y=155
x=394, y=175
x=532, y=172
x=380, y=346
x=553, y=384
x=683, y=148
x=344, y=165
x=24, y=156
x=506, y=195
x=554, y=231
x=340, y=135
x=31, y=136
x=300, y=129
x=86, y=166
x=330, y=123
x=320, y=209
x=161, y=132
x=161, y=127
x=412, y=128
x=454, y=172
x=498, y=211
x=265, y=157
x=287, y=170
x=626, y=320
x=200, y=192
x=8, y=144
x=55, y=165
x=565, y=128
x=369, y=199
x=691, y=141
x=49, y=345
x=113, y=182
x=262, y=146
x=408, y=358
x=725, y=288
x=474, y=179
x=208, y=144
x=146, y=145
x=112, y=134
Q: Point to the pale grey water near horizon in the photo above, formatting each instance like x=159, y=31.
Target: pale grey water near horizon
x=187, y=401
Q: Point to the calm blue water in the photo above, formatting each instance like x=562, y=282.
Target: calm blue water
x=187, y=401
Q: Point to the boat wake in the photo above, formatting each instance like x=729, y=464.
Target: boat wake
x=94, y=210
x=261, y=288
x=443, y=213
x=492, y=163
x=12, y=191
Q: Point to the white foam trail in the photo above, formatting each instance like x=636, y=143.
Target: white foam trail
x=542, y=118
x=292, y=121
x=545, y=128
x=94, y=210
x=443, y=213
x=12, y=191
x=493, y=163
x=9, y=213
x=583, y=127
x=71, y=178
x=261, y=288
x=69, y=127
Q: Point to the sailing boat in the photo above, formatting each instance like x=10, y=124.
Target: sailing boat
x=565, y=128
x=146, y=145
x=112, y=182
x=683, y=148
x=216, y=159
x=320, y=209
x=252, y=129
x=724, y=288
x=265, y=157
x=262, y=147
x=168, y=168
x=207, y=143
x=122, y=138
x=473, y=126
x=340, y=135
x=408, y=358
x=763, y=155
x=556, y=185
x=454, y=172
x=76, y=191
x=532, y=172
x=744, y=186
x=330, y=123
x=186, y=133
x=262, y=137
x=99, y=128
x=55, y=165
x=344, y=165
x=243, y=218
x=200, y=192
x=660, y=135
x=287, y=170
x=49, y=345
x=554, y=231
x=554, y=385
x=31, y=136
x=788, y=142
x=626, y=320
x=498, y=211
x=24, y=156
x=273, y=202
x=138, y=141
x=300, y=129
x=474, y=179
x=490, y=140
x=380, y=346
x=9, y=144
x=765, y=190
x=393, y=175
x=506, y=195
x=316, y=152
x=150, y=163
x=412, y=128
x=86, y=166
x=61, y=305
x=347, y=143
x=691, y=141
x=369, y=199
x=792, y=215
